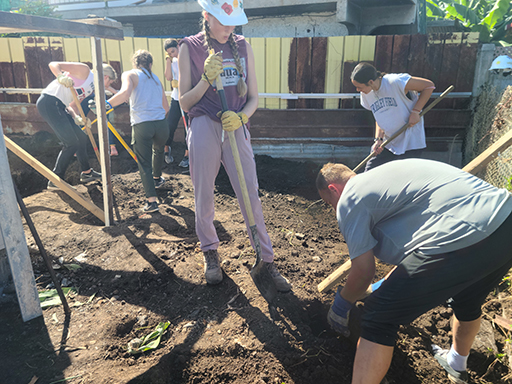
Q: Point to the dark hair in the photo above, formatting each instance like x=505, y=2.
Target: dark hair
x=170, y=43
x=364, y=72
x=142, y=59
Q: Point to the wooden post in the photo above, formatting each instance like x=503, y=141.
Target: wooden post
x=16, y=243
x=99, y=86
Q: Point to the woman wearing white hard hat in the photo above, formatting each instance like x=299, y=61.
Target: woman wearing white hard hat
x=234, y=60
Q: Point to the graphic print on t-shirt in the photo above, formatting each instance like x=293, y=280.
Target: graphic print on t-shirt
x=382, y=103
x=231, y=75
x=82, y=94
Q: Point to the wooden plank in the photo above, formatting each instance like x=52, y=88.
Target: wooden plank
x=448, y=75
x=17, y=22
x=15, y=243
x=18, y=66
x=31, y=62
x=384, y=53
x=44, y=57
x=70, y=46
x=56, y=48
x=318, y=68
x=272, y=70
x=350, y=60
x=6, y=75
x=335, y=47
x=303, y=79
x=367, y=48
x=417, y=52
x=126, y=53
x=84, y=51
x=156, y=49
x=434, y=58
x=258, y=47
x=479, y=163
x=292, y=71
x=334, y=278
x=285, y=57
x=140, y=43
x=41, y=168
x=467, y=64
x=400, y=53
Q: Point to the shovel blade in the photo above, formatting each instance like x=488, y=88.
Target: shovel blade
x=263, y=281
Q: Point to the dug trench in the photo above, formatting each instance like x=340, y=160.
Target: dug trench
x=148, y=268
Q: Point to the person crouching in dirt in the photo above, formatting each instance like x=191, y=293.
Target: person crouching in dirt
x=58, y=109
x=448, y=233
x=395, y=100
x=234, y=59
x=148, y=107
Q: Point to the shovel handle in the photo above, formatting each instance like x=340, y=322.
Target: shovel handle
x=401, y=130
x=87, y=129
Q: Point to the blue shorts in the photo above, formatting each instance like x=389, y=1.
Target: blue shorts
x=422, y=282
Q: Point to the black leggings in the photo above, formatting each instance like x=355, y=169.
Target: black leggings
x=422, y=282
x=71, y=136
x=173, y=117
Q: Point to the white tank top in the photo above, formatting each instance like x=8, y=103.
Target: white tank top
x=83, y=89
x=146, y=99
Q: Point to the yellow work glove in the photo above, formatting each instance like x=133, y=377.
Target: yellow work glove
x=213, y=66
x=174, y=83
x=65, y=80
x=167, y=56
x=231, y=121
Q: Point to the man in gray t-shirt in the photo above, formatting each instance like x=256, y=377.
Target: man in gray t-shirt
x=448, y=233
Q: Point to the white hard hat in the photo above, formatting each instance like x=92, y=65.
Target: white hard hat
x=228, y=12
x=501, y=62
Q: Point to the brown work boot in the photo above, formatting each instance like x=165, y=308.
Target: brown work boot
x=281, y=283
x=212, y=270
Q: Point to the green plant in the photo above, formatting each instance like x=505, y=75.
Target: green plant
x=509, y=184
x=37, y=8
x=488, y=17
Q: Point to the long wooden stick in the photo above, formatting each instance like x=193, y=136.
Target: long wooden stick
x=68, y=189
x=401, y=130
x=87, y=128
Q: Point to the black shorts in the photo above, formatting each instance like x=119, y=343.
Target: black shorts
x=422, y=282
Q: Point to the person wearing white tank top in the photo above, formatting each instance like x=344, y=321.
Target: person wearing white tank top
x=148, y=107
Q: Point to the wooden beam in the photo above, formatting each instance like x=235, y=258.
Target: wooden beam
x=11, y=229
x=39, y=167
x=17, y=22
x=479, y=163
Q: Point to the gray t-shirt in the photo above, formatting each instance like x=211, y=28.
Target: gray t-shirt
x=418, y=205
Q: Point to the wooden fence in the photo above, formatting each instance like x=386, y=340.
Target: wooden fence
x=283, y=65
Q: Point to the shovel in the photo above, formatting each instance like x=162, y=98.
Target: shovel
x=259, y=273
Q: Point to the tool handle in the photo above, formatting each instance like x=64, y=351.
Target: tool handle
x=401, y=130
x=87, y=129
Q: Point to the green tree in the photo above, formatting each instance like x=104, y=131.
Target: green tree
x=37, y=8
x=488, y=17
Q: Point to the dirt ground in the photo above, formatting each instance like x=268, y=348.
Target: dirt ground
x=147, y=268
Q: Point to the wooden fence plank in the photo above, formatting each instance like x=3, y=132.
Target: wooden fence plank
x=318, y=57
x=335, y=47
x=399, y=60
x=367, y=48
x=272, y=70
x=140, y=43
x=127, y=50
x=71, y=49
x=6, y=75
x=448, y=75
x=113, y=54
x=18, y=66
x=44, y=57
x=417, y=52
x=285, y=57
x=156, y=49
x=258, y=47
x=467, y=64
x=434, y=58
x=84, y=50
x=350, y=60
x=292, y=71
x=56, y=48
x=31, y=62
x=303, y=79
x=384, y=53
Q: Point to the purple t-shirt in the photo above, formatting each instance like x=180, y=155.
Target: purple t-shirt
x=210, y=103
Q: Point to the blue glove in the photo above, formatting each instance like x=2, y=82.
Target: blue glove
x=339, y=313
x=92, y=106
x=377, y=285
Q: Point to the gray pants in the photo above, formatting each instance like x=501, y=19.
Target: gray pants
x=148, y=140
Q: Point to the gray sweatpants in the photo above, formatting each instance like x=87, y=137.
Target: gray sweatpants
x=206, y=153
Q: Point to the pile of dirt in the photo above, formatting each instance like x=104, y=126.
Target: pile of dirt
x=148, y=269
